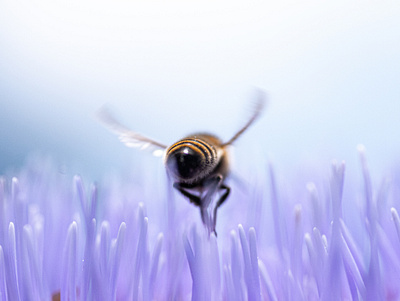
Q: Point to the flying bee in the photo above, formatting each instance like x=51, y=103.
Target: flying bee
x=198, y=163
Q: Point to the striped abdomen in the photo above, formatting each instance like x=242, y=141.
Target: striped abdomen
x=193, y=158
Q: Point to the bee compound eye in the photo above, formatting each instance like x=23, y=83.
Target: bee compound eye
x=185, y=163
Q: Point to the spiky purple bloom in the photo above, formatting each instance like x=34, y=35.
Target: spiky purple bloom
x=118, y=241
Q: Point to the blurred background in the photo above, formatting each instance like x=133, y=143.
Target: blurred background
x=169, y=68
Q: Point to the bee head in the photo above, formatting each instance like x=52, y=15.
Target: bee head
x=185, y=163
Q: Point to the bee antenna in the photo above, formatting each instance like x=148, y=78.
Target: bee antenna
x=260, y=101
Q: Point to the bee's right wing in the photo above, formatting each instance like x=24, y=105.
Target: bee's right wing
x=260, y=101
x=128, y=137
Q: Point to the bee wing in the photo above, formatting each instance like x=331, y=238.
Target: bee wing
x=129, y=137
x=260, y=101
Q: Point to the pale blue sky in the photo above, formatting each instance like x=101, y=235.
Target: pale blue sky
x=168, y=68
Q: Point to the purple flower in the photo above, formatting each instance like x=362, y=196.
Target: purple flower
x=132, y=240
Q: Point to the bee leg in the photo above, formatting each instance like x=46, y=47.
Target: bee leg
x=194, y=199
x=213, y=185
x=220, y=202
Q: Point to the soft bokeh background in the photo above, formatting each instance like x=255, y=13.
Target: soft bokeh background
x=168, y=68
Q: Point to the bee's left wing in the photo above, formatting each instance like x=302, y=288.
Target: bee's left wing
x=128, y=137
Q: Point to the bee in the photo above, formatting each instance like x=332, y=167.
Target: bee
x=198, y=163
